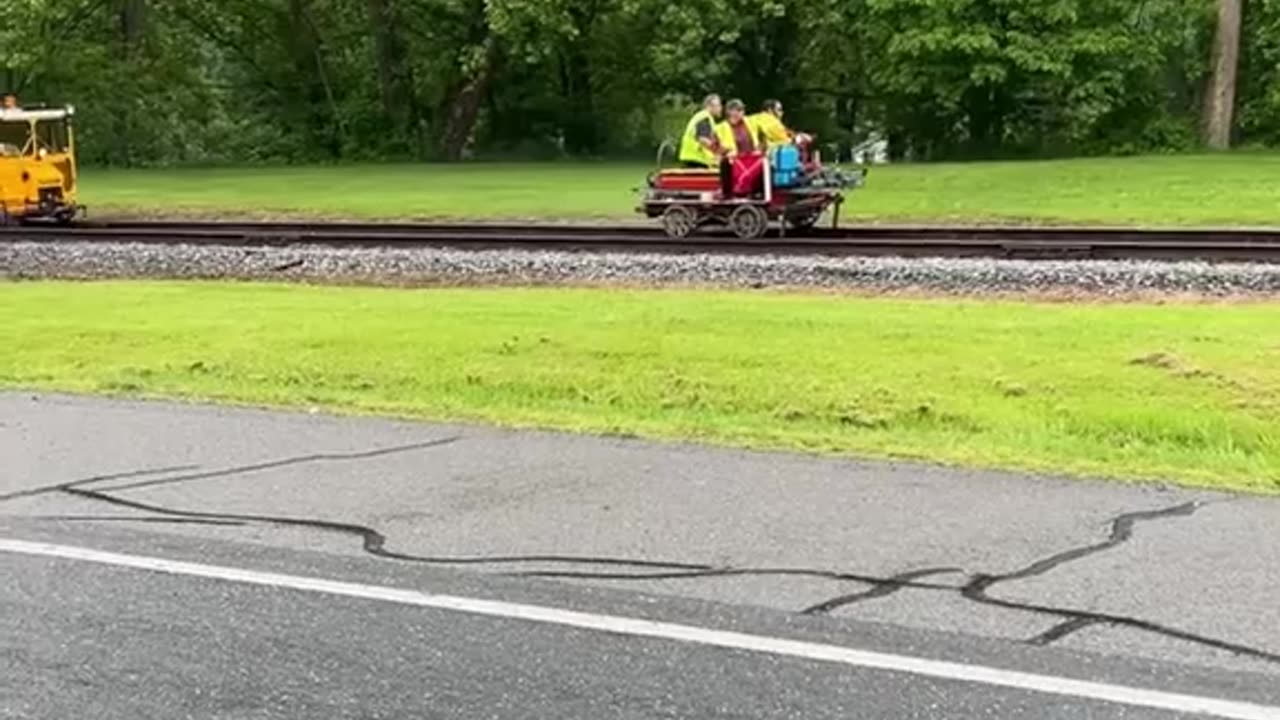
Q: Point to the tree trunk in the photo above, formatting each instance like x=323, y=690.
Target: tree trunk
x=133, y=18
x=316, y=97
x=132, y=15
x=384, y=44
x=1220, y=100
x=463, y=108
x=395, y=80
x=578, y=117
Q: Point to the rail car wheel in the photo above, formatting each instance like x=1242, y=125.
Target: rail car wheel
x=749, y=222
x=679, y=221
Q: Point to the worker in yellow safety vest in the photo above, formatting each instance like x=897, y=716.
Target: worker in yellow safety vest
x=768, y=127
x=741, y=142
x=737, y=135
x=700, y=146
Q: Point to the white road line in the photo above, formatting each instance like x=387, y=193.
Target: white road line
x=670, y=631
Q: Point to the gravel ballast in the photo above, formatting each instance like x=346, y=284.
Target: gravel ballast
x=26, y=260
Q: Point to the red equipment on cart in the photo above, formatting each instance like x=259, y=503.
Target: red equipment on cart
x=788, y=185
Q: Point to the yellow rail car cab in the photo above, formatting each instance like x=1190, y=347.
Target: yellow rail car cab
x=38, y=174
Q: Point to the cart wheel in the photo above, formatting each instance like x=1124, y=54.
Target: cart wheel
x=749, y=222
x=679, y=221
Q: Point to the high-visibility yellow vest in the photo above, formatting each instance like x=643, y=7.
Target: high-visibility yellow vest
x=693, y=151
x=728, y=140
x=766, y=125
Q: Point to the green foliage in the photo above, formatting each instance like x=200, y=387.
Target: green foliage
x=1260, y=101
x=978, y=77
x=192, y=81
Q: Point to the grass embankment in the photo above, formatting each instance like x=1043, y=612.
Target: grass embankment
x=1189, y=393
x=1230, y=189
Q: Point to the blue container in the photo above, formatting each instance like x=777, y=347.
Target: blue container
x=786, y=166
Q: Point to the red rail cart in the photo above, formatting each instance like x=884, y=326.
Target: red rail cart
x=788, y=186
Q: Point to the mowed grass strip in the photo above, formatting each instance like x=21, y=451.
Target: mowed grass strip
x=1226, y=189
x=1188, y=393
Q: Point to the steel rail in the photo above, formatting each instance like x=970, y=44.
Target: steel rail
x=1242, y=245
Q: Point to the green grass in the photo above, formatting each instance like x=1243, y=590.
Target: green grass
x=1229, y=189
x=1181, y=392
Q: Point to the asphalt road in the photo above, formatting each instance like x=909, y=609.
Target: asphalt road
x=1132, y=587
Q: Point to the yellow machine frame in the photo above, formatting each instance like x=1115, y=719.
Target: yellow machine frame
x=39, y=180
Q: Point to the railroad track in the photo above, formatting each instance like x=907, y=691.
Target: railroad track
x=1008, y=242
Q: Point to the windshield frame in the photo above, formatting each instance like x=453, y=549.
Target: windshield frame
x=59, y=135
x=50, y=135
x=24, y=148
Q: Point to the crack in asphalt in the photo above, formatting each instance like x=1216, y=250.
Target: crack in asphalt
x=1063, y=629
x=1122, y=526
x=1134, y=624
x=135, y=519
x=276, y=464
x=896, y=583
x=225, y=472
x=43, y=490
x=728, y=572
x=1121, y=532
x=974, y=589
x=374, y=542
x=1074, y=621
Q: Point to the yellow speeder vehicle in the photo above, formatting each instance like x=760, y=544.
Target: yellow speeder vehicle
x=38, y=174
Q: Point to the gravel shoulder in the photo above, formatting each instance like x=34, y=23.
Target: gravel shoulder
x=435, y=266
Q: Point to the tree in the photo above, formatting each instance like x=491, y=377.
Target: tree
x=976, y=78
x=395, y=73
x=132, y=19
x=1220, y=100
x=1258, y=89
x=174, y=81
